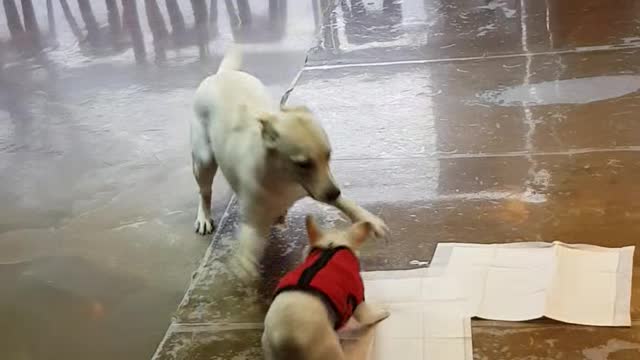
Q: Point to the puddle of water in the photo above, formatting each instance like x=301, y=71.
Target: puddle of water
x=572, y=91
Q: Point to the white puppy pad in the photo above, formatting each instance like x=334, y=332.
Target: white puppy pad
x=580, y=284
x=431, y=307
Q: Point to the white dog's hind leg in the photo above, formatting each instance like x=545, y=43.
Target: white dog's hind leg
x=204, y=173
x=245, y=263
x=252, y=238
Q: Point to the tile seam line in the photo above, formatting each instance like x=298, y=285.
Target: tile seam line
x=480, y=324
x=444, y=156
x=214, y=326
x=469, y=58
x=224, y=326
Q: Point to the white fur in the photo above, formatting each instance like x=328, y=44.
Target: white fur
x=233, y=113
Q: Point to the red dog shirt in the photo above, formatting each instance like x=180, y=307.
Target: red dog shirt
x=334, y=275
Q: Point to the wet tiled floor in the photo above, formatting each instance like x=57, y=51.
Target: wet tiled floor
x=97, y=198
x=468, y=121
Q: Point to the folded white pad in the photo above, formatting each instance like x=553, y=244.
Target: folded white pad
x=431, y=307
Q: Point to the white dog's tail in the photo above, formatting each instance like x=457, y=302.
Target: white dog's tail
x=232, y=59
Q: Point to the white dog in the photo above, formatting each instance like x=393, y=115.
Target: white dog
x=318, y=297
x=270, y=156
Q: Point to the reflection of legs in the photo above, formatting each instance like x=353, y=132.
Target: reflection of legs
x=31, y=23
x=329, y=25
x=234, y=20
x=132, y=23
x=213, y=17
x=75, y=29
x=278, y=14
x=175, y=17
x=115, y=24
x=204, y=174
x=90, y=22
x=283, y=11
x=200, y=15
x=13, y=19
x=317, y=14
x=51, y=20
x=244, y=11
x=158, y=28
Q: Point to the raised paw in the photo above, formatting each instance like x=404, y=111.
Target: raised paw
x=204, y=226
x=380, y=229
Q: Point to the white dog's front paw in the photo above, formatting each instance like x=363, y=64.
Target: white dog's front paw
x=204, y=225
x=380, y=229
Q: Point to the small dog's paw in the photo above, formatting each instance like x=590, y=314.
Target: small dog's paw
x=204, y=226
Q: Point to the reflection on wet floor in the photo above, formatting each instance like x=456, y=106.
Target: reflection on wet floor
x=109, y=28
x=455, y=121
x=471, y=121
x=97, y=197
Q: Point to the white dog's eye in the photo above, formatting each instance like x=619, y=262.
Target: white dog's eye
x=305, y=164
x=302, y=161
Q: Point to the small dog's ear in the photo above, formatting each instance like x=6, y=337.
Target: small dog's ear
x=313, y=231
x=359, y=232
x=269, y=133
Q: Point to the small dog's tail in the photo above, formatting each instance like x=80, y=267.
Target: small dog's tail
x=232, y=59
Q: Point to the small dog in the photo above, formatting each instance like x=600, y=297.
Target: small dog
x=318, y=297
x=270, y=156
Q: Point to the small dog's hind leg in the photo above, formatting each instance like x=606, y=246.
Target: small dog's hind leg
x=266, y=348
x=327, y=347
x=204, y=173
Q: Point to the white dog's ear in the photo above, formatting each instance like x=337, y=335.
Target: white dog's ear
x=313, y=231
x=359, y=232
x=269, y=133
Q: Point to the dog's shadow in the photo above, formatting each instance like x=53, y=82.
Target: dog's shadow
x=283, y=253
